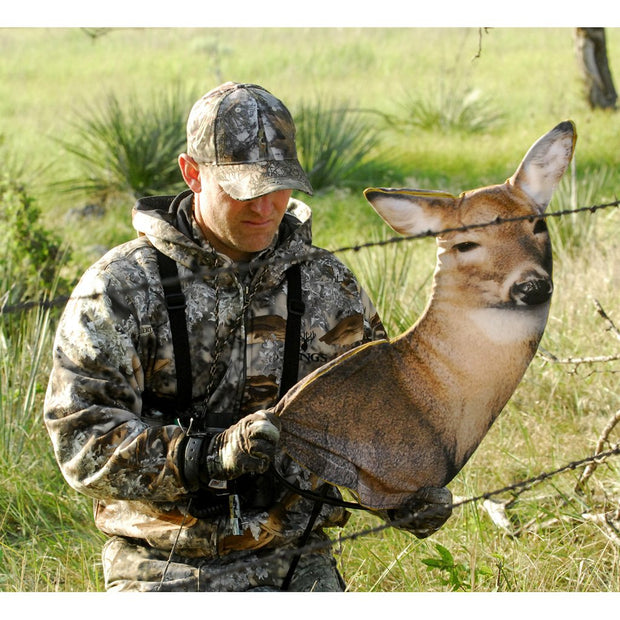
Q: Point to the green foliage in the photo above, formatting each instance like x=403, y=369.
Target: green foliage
x=455, y=575
x=29, y=253
x=449, y=110
x=36, y=509
x=339, y=146
x=130, y=147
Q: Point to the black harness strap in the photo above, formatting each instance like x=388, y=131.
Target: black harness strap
x=290, y=372
x=316, y=510
x=295, y=308
x=175, y=302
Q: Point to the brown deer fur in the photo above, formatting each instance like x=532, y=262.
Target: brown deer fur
x=391, y=417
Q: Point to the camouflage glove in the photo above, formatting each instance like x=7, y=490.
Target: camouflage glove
x=424, y=512
x=247, y=446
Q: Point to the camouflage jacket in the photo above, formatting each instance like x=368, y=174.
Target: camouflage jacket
x=113, y=346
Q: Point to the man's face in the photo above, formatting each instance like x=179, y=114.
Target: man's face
x=238, y=228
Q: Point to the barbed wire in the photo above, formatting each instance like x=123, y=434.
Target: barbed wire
x=516, y=489
x=61, y=300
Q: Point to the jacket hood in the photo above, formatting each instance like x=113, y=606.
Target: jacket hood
x=168, y=224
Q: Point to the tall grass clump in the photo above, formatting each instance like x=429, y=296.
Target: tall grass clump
x=24, y=343
x=338, y=146
x=46, y=541
x=448, y=109
x=37, y=513
x=37, y=509
x=397, y=275
x=129, y=147
x=574, y=231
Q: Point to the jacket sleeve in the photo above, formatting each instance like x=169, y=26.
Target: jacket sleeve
x=93, y=401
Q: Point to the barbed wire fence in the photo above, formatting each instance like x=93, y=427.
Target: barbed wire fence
x=588, y=463
x=6, y=308
x=514, y=489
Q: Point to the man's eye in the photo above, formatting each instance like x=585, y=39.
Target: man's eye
x=466, y=246
x=540, y=227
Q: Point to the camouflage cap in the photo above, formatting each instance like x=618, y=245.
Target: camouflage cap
x=248, y=136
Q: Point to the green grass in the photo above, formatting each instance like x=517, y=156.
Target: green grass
x=47, y=542
x=529, y=76
x=556, y=416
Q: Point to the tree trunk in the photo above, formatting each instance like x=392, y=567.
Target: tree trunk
x=592, y=54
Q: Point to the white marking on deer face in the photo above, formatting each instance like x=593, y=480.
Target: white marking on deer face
x=504, y=327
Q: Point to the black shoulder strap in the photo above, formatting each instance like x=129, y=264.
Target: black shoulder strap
x=175, y=301
x=295, y=308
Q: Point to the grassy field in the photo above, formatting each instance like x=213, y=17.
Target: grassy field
x=530, y=78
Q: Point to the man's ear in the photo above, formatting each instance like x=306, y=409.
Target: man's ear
x=191, y=172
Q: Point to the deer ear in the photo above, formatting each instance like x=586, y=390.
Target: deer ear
x=544, y=164
x=410, y=211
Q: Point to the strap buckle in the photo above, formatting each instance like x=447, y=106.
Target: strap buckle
x=175, y=301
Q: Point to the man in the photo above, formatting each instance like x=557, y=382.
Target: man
x=158, y=401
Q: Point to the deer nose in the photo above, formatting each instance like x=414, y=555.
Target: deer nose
x=532, y=292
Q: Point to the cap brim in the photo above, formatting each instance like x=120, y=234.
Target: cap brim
x=248, y=181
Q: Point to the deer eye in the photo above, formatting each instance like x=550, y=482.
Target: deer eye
x=466, y=246
x=540, y=227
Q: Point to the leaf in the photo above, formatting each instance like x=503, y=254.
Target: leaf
x=445, y=554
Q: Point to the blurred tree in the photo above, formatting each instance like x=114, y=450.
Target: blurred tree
x=592, y=54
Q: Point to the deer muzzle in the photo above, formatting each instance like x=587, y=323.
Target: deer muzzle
x=531, y=292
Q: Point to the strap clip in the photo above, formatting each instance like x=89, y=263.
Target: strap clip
x=175, y=301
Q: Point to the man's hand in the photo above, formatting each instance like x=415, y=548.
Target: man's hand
x=247, y=446
x=424, y=512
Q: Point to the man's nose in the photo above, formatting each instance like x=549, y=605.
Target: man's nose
x=262, y=204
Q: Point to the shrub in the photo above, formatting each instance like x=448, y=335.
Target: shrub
x=449, y=109
x=338, y=146
x=30, y=254
x=129, y=148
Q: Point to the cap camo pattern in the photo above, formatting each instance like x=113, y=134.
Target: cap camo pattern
x=248, y=137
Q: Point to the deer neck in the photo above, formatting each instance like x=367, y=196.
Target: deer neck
x=467, y=363
x=475, y=338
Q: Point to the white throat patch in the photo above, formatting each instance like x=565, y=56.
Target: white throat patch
x=505, y=326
